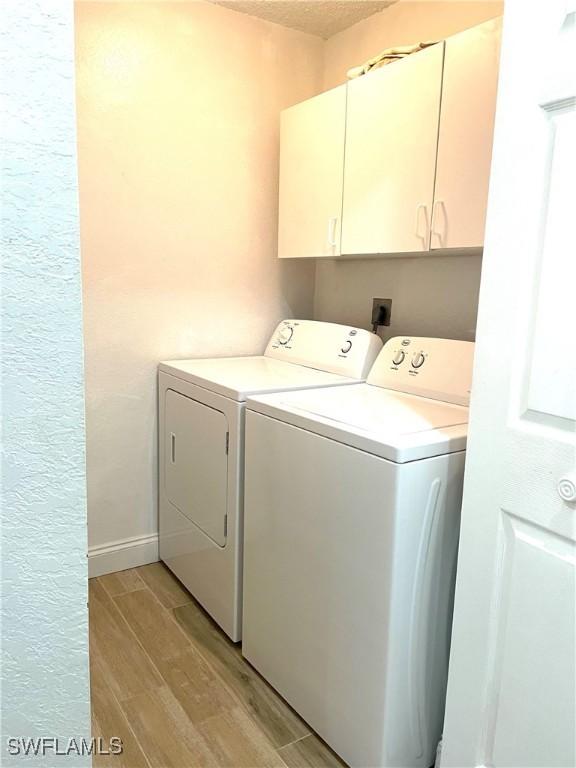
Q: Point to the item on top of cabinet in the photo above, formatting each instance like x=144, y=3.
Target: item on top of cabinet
x=388, y=56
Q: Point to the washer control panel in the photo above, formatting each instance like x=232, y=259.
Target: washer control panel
x=437, y=368
x=326, y=346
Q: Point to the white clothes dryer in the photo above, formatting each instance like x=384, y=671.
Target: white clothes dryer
x=352, y=507
x=201, y=448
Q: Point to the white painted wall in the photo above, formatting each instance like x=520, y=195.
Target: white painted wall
x=44, y=634
x=178, y=115
x=432, y=295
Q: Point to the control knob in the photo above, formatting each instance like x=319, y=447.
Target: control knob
x=399, y=357
x=418, y=360
x=285, y=334
x=346, y=347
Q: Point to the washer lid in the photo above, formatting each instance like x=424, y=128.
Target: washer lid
x=394, y=425
x=239, y=377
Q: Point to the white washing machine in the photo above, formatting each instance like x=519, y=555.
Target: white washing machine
x=352, y=509
x=201, y=448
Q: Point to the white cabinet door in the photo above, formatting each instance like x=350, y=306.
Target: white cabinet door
x=512, y=683
x=196, y=463
x=390, y=158
x=469, y=89
x=311, y=170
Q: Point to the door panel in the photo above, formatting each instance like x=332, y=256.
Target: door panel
x=311, y=170
x=533, y=560
x=469, y=86
x=196, y=463
x=552, y=378
x=391, y=141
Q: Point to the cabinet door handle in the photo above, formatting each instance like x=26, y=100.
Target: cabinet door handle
x=173, y=447
x=435, y=233
x=424, y=237
x=332, y=231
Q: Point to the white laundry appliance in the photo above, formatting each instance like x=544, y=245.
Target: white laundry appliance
x=201, y=448
x=352, y=508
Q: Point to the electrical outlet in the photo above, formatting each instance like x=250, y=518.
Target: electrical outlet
x=381, y=312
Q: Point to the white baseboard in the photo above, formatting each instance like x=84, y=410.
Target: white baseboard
x=120, y=555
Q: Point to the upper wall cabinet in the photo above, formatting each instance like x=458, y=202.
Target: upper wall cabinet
x=390, y=157
x=397, y=161
x=465, y=139
x=311, y=169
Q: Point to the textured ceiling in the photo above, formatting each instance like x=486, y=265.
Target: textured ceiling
x=323, y=18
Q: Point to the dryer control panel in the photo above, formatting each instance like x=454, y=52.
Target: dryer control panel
x=437, y=368
x=328, y=347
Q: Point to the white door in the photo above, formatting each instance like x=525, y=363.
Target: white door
x=511, y=691
x=390, y=159
x=469, y=85
x=196, y=463
x=311, y=170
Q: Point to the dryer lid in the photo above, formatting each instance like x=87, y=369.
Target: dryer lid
x=300, y=353
x=239, y=377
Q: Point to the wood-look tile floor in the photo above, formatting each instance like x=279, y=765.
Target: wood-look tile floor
x=177, y=691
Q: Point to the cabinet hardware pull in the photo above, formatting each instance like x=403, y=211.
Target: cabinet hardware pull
x=332, y=231
x=434, y=231
x=424, y=237
x=173, y=447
